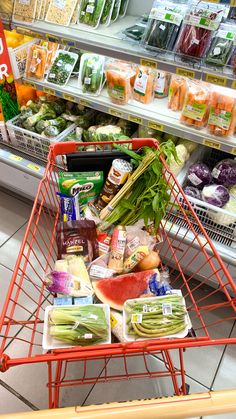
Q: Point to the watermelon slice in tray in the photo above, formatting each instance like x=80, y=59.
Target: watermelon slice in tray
x=116, y=290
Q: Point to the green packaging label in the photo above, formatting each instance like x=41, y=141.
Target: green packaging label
x=118, y=92
x=220, y=118
x=87, y=184
x=195, y=111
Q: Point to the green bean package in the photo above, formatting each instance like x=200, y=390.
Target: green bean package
x=222, y=45
x=90, y=12
x=91, y=75
x=156, y=317
x=107, y=12
x=163, y=25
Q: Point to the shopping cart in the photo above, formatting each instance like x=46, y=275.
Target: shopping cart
x=22, y=317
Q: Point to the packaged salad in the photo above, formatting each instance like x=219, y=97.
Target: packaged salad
x=222, y=118
x=196, y=106
x=123, y=7
x=107, y=12
x=163, y=24
x=90, y=12
x=24, y=11
x=162, y=84
x=222, y=45
x=60, y=12
x=115, y=11
x=144, y=84
x=200, y=22
x=36, y=62
x=177, y=93
x=91, y=74
x=120, y=77
x=62, y=67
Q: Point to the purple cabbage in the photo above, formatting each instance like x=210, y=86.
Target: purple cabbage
x=193, y=192
x=199, y=175
x=224, y=173
x=216, y=195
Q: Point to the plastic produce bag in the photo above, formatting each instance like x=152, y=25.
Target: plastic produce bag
x=222, y=118
x=24, y=11
x=120, y=80
x=144, y=84
x=222, y=46
x=177, y=93
x=200, y=22
x=162, y=84
x=36, y=62
x=90, y=12
x=196, y=106
x=216, y=195
x=91, y=74
x=163, y=24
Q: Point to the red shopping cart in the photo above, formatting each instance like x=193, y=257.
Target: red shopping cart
x=22, y=317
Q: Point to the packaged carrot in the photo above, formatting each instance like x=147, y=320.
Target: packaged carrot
x=120, y=80
x=196, y=106
x=177, y=93
x=222, y=118
x=36, y=62
x=52, y=48
x=144, y=84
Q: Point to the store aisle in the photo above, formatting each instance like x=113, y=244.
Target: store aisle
x=16, y=390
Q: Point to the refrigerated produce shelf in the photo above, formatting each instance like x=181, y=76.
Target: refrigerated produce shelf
x=155, y=115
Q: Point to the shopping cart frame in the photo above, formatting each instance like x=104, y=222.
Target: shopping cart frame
x=123, y=351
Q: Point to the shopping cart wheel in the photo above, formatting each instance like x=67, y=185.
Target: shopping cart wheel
x=187, y=386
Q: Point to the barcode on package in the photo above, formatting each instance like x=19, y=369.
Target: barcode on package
x=137, y=318
x=167, y=309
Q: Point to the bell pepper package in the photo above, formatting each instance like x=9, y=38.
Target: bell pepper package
x=222, y=118
x=90, y=12
x=177, y=93
x=222, y=45
x=196, y=106
x=36, y=62
x=120, y=80
x=200, y=22
x=62, y=67
x=144, y=84
x=91, y=74
x=163, y=24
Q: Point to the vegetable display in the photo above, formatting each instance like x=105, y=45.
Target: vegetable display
x=222, y=117
x=107, y=11
x=90, y=12
x=62, y=67
x=92, y=73
x=120, y=79
x=115, y=11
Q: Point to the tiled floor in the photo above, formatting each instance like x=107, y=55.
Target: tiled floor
x=17, y=394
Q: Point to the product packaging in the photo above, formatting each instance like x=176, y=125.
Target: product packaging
x=24, y=11
x=162, y=84
x=222, y=45
x=196, y=106
x=52, y=48
x=123, y=7
x=120, y=80
x=69, y=206
x=90, y=12
x=200, y=22
x=91, y=75
x=135, y=32
x=36, y=62
x=62, y=67
x=75, y=15
x=177, y=93
x=107, y=12
x=222, y=117
x=115, y=11
x=144, y=84
x=163, y=24
x=118, y=243
x=60, y=12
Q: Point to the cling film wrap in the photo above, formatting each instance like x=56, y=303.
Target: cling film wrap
x=115, y=10
x=60, y=12
x=90, y=12
x=91, y=74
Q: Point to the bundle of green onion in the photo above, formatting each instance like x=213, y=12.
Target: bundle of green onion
x=78, y=325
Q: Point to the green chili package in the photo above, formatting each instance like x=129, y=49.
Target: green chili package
x=222, y=45
x=163, y=24
x=90, y=12
x=91, y=74
x=62, y=67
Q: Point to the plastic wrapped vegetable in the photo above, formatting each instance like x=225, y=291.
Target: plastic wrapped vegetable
x=182, y=156
x=200, y=22
x=107, y=11
x=144, y=84
x=120, y=79
x=62, y=67
x=123, y=7
x=36, y=62
x=199, y=175
x=90, y=12
x=60, y=12
x=222, y=118
x=92, y=73
x=52, y=48
x=221, y=217
x=177, y=93
x=222, y=46
x=162, y=84
x=216, y=195
x=193, y=192
x=196, y=106
x=224, y=173
x=163, y=24
x=115, y=11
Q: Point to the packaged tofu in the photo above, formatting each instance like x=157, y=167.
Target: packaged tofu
x=36, y=62
x=62, y=67
x=24, y=11
x=60, y=12
x=90, y=12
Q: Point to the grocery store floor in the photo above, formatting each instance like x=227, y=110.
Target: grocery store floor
x=24, y=388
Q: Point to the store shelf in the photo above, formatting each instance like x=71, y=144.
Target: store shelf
x=111, y=42
x=156, y=115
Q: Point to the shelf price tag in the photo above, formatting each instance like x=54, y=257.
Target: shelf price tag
x=148, y=63
x=114, y=112
x=33, y=167
x=85, y=103
x=212, y=144
x=66, y=96
x=15, y=158
x=233, y=85
x=49, y=91
x=135, y=119
x=185, y=72
x=30, y=84
x=156, y=126
x=212, y=78
x=233, y=151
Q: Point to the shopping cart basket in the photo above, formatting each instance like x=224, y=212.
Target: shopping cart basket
x=23, y=312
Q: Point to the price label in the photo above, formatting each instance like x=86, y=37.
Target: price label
x=135, y=119
x=185, y=72
x=148, y=63
x=30, y=84
x=114, y=112
x=33, y=167
x=15, y=158
x=156, y=126
x=49, y=91
x=233, y=85
x=212, y=144
x=85, y=103
x=69, y=97
x=212, y=78
x=233, y=151
x=113, y=321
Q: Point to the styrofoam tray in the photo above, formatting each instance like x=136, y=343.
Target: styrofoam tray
x=183, y=334
x=51, y=343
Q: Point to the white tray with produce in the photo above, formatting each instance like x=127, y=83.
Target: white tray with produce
x=49, y=342
x=61, y=70
x=137, y=316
